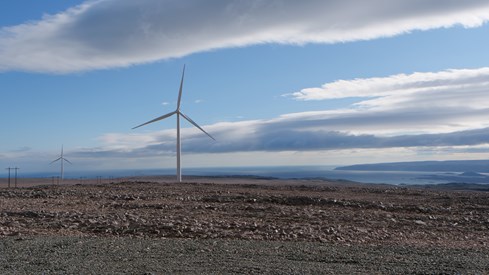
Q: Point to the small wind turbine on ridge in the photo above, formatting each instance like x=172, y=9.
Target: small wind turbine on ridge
x=62, y=159
x=178, y=113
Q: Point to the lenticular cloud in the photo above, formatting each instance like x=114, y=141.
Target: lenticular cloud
x=116, y=33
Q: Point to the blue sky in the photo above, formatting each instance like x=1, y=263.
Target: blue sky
x=276, y=82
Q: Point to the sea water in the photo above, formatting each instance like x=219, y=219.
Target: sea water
x=295, y=172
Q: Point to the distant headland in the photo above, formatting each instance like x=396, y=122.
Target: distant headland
x=479, y=166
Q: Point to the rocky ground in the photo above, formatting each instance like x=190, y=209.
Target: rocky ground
x=254, y=225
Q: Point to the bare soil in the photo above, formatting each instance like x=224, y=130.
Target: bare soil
x=266, y=226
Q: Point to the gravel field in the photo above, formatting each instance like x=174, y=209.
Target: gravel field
x=242, y=226
x=96, y=255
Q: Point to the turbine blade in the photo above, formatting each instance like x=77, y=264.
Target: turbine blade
x=55, y=160
x=196, y=125
x=156, y=119
x=181, y=88
x=67, y=161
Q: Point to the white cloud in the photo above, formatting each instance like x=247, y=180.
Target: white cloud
x=116, y=33
x=277, y=135
x=269, y=143
x=433, y=102
x=400, y=85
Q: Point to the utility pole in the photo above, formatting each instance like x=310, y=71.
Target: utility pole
x=16, y=176
x=10, y=168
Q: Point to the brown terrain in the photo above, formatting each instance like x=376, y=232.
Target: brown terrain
x=263, y=226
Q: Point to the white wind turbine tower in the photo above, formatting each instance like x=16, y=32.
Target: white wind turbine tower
x=62, y=159
x=178, y=113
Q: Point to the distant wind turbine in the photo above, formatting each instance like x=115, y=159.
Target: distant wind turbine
x=178, y=113
x=62, y=159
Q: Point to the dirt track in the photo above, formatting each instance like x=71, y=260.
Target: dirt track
x=332, y=216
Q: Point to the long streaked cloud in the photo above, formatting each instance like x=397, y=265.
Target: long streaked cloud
x=293, y=140
x=116, y=33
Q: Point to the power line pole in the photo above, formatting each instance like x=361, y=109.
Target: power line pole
x=10, y=168
x=16, y=176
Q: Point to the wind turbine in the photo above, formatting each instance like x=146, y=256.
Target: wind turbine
x=178, y=113
x=62, y=159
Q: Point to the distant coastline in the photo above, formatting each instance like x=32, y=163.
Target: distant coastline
x=479, y=166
